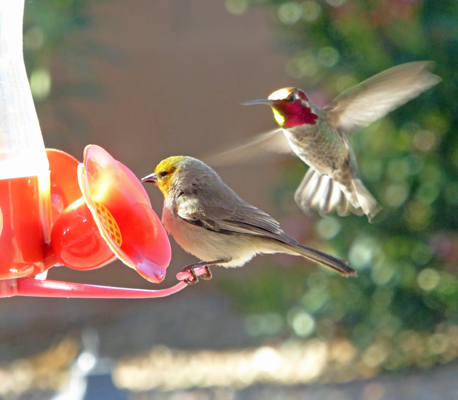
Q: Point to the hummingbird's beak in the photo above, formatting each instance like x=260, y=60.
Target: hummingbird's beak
x=263, y=101
x=150, y=178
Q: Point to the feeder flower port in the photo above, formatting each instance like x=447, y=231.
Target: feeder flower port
x=56, y=211
x=109, y=217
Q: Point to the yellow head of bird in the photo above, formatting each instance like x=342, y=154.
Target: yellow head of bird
x=163, y=175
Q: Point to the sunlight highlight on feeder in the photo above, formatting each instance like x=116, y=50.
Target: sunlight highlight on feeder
x=44, y=190
x=122, y=211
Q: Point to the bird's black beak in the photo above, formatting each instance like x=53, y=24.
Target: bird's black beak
x=150, y=178
x=263, y=101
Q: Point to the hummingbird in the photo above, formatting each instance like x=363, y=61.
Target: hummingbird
x=319, y=136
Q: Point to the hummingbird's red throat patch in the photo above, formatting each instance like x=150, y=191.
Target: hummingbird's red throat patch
x=294, y=114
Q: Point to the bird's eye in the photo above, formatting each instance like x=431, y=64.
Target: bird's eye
x=163, y=174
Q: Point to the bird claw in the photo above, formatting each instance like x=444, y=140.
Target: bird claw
x=194, y=279
x=208, y=275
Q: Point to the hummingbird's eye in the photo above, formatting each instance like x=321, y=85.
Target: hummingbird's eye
x=163, y=174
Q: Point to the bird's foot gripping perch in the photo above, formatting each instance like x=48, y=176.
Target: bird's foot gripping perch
x=205, y=264
x=193, y=280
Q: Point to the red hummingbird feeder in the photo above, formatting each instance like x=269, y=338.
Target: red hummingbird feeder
x=56, y=211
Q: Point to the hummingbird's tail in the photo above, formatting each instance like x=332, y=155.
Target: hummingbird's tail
x=367, y=202
x=326, y=195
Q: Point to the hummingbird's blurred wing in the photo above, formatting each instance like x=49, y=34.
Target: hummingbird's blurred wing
x=372, y=99
x=261, y=146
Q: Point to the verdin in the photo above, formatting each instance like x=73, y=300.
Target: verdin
x=209, y=220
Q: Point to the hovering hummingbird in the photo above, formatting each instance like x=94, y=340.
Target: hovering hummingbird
x=318, y=136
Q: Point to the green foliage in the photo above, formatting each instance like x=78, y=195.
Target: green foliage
x=48, y=28
x=407, y=259
x=54, y=41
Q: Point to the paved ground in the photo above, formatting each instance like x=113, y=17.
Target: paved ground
x=197, y=318
x=439, y=383
x=434, y=384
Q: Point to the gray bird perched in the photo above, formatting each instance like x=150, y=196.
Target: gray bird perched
x=209, y=220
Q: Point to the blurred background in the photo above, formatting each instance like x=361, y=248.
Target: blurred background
x=147, y=79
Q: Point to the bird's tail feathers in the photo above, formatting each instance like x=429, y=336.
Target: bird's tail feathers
x=326, y=195
x=322, y=193
x=367, y=202
x=327, y=260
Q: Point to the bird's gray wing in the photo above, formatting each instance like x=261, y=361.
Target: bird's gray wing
x=251, y=220
x=260, y=146
x=218, y=208
x=372, y=99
